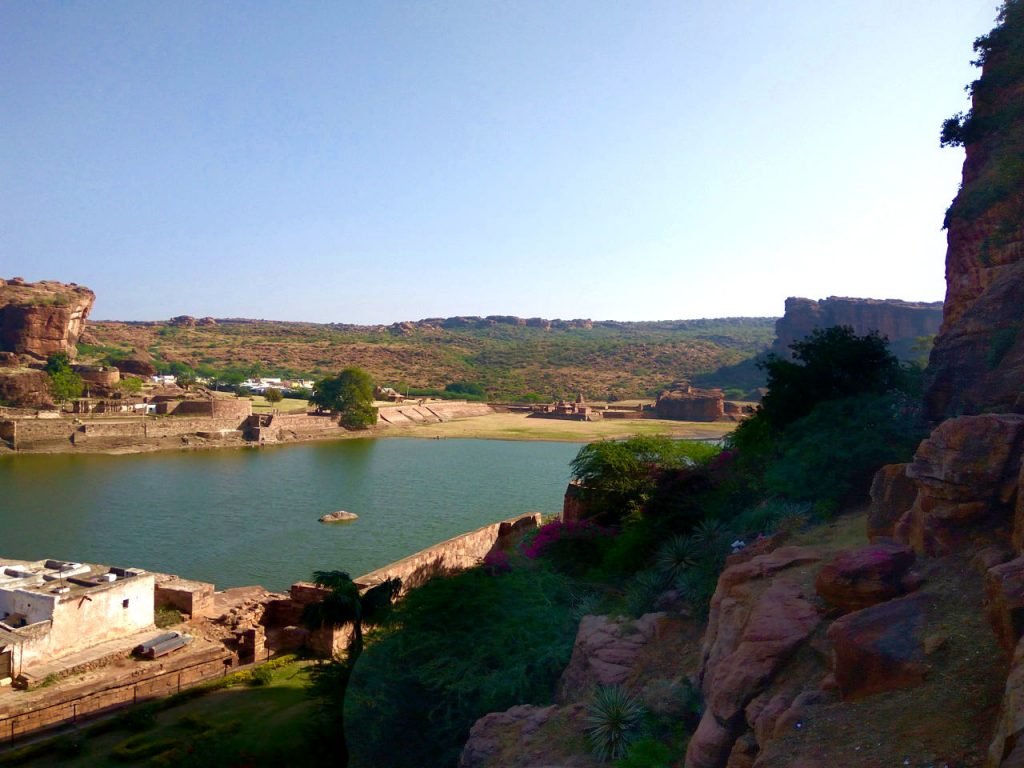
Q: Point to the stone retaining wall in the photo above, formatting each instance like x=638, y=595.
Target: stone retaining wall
x=455, y=554
x=160, y=679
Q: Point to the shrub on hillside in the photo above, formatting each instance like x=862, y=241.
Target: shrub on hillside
x=456, y=649
x=618, y=477
x=830, y=456
x=570, y=547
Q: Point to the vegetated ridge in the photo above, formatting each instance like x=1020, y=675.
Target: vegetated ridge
x=509, y=357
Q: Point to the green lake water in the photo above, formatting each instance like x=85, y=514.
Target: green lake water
x=237, y=517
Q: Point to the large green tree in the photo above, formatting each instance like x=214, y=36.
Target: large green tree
x=65, y=384
x=830, y=364
x=349, y=394
x=835, y=413
x=617, y=477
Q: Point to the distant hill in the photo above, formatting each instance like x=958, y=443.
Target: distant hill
x=508, y=356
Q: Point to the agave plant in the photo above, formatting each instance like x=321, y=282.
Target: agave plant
x=710, y=532
x=613, y=721
x=644, y=590
x=676, y=555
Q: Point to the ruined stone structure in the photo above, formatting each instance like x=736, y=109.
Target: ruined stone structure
x=577, y=410
x=686, y=403
x=902, y=322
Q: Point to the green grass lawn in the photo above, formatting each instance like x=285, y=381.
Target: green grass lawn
x=241, y=725
x=288, y=405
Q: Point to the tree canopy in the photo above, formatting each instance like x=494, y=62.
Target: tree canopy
x=65, y=384
x=830, y=364
x=349, y=394
x=618, y=476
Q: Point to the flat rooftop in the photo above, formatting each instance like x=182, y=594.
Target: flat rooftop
x=59, y=577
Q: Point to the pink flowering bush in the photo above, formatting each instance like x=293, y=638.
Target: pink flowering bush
x=571, y=547
x=497, y=561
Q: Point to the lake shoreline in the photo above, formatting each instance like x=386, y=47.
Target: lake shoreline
x=498, y=426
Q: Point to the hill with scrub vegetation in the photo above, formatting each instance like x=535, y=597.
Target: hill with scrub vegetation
x=509, y=358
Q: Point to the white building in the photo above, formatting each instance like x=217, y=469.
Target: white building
x=52, y=608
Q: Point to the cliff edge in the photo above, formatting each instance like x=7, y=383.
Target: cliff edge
x=977, y=363
x=902, y=322
x=40, y=319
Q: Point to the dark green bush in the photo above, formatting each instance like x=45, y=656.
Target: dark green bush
x=831, y=455
x=456, y=649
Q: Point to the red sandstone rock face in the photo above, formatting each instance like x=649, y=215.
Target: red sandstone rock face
x=880, y=648
x=759, y=617
x=521, y=737
x=900, y=321
x=605, y=651
x=862, y=577
x=40, y=319
x=892, y=494
x=1007, y=747
x=967, y=473
x=978, y=360
x=26, y=388
x=1004, y=602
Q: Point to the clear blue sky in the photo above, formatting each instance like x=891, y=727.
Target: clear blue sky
x=368, y=162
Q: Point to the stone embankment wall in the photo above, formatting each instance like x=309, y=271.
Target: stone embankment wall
x=455, y=554
x=461, y=552
x=163, y=679
x=291, y=426
x=33, y=434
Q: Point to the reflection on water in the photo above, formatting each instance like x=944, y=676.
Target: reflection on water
x=250, y=516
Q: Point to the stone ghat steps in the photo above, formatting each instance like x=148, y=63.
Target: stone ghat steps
x=433, y=413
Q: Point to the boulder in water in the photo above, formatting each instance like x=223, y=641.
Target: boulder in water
x=340, y=516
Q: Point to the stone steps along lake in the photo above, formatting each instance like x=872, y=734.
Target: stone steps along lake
x=251, y=516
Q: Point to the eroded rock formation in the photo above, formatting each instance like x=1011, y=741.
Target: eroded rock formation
x=902, y=322
x=977, y=363
x=40, y=319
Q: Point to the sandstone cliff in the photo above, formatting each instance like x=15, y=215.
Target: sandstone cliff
x=977, y=363
x=40, y=319
x=902, y=322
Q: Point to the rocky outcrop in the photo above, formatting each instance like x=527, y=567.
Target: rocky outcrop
x=977, y=363
x=341, y=516
x=25, y=387
x=761, y=614
x=1007, y=747
x=967, y=475
x=860, y=578
x=902, y=322
x=1004, y=602
x=40, y=319
x=686, y=403
x=880, y=648
x=605, y=652
x=892, y=494
x=528, y=736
